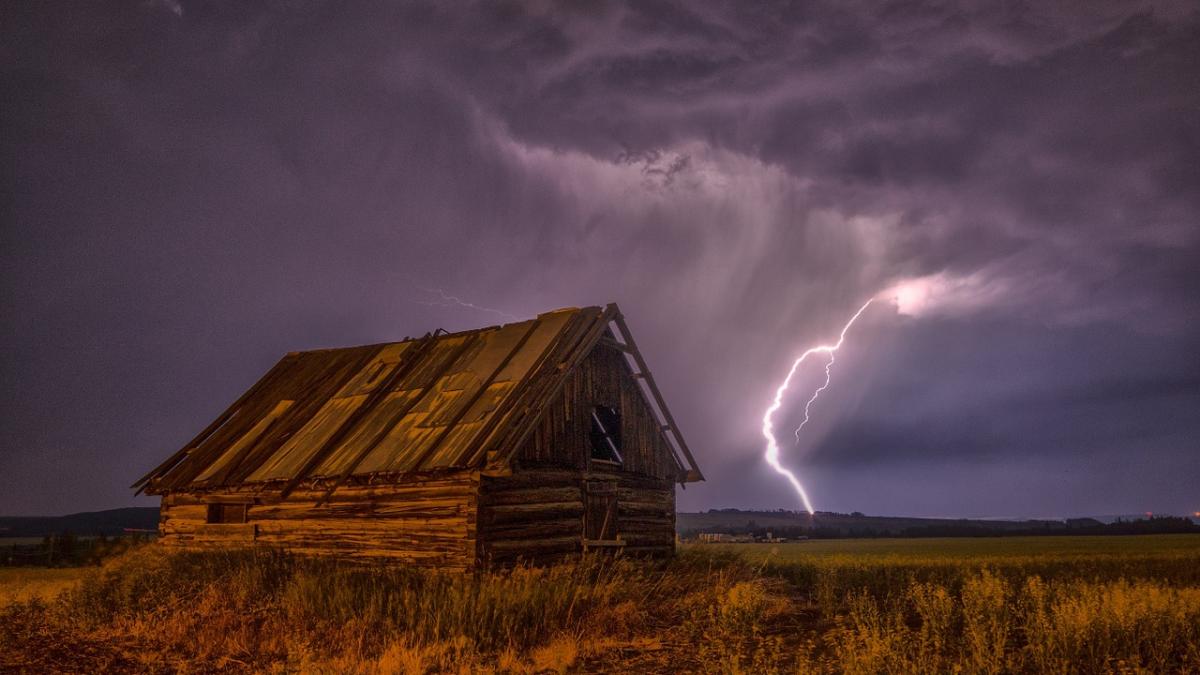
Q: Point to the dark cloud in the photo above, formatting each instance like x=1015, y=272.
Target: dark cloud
x=193, y=189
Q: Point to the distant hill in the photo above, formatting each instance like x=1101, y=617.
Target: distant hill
x=835, y=525
x=729, y=520
x=111, y=522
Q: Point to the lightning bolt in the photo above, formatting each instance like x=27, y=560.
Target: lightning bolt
x=808, y=405
x=772, y=453
x=450, y=301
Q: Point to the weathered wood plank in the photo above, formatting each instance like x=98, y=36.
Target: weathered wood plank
x=532, y=478
x=457, y=487
x=531, y=495
x=441, y=561
x=405, y=546
x=517, y=512
x=519, y=545
x=198, y=512
x=227, y=530
x=551, y=528
x=374, y=510
x=637, y=494
x=444, y=527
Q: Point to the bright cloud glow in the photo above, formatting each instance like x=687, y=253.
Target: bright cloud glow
x=943, y=293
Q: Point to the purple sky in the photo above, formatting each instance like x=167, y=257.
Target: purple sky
x=192, y=189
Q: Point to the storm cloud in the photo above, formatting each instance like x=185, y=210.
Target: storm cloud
x=193, y=189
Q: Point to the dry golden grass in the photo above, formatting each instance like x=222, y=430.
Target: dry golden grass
x=705, y=611
x=22, y=584
x=992, y=627
x=264, y=610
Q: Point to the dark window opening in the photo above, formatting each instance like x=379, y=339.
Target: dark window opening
x=226, y=513
x=606, y=434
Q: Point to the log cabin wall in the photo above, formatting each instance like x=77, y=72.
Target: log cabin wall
x=603, y=378
x=428, y=522
x=539, y=511
x=533, y=515
x=645, y=513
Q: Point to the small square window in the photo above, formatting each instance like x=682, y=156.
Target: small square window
x=226, y=513
x=606, y=434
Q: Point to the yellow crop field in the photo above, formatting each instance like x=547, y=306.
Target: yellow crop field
x=963, y=549
x=994, y=605
x=1012, y=605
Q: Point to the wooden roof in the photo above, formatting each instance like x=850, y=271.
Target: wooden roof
x=444, y=401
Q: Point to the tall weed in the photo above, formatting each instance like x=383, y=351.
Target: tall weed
x=991, y=626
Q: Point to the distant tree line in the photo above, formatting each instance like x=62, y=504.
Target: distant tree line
x=1083, y=526
x=1154, y=525
x=67, y=550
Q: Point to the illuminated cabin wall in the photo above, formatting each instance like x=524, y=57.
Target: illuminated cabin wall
x=540, y=510
x=464, y=519
x=427, y=522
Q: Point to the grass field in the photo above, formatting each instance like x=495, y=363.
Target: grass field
x=1020, y=605
x=962, y=549
x=20, y=584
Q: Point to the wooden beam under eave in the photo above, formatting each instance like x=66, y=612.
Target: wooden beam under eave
x=609, y=342
x=693, y=472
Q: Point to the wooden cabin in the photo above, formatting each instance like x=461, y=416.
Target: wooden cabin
x=529, y=441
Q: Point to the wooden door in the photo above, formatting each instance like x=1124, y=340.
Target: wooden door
x=600, y=517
